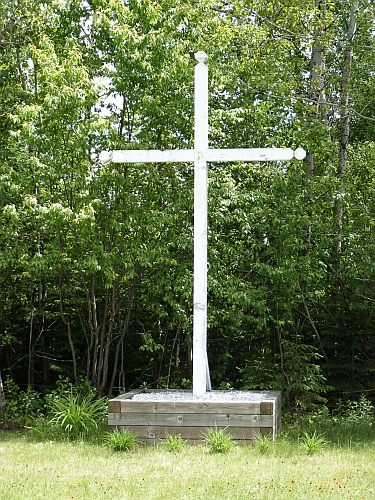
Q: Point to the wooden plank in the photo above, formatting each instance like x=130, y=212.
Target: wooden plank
x=266, y=431
x=253, y=154
x=158, y=440
x=182, y=417
x=151, y=407
x=193, y=442
x=191, y=419
x=266, y=408
x=188, y=442
x=278, y=415
x=114, y=406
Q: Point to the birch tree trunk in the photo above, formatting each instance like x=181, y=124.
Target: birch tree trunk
x=317, y=99
x=316, y=91
x=318, y=114
x=345, y=128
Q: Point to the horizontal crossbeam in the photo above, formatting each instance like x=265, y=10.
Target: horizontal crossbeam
x=213, y=155
x=255, y=154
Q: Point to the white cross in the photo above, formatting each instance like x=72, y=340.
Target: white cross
x=200, y=155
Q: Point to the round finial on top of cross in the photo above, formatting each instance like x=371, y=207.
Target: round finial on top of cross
x=201, y=56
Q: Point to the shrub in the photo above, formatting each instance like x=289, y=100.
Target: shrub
x=65, y=387
x=22, y=407
x=355, y=411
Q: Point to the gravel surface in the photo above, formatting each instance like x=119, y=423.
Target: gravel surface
x=209, y=396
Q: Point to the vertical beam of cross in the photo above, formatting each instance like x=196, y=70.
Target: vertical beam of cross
x=201, y=377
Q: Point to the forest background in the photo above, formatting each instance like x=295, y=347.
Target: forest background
x=96, y=260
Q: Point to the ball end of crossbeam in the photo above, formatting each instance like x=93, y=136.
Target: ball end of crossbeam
x=299, y=154
x=105, y=157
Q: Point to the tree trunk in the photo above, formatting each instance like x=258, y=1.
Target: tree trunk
x=345, y=128
x=316, y=94
x=2, y=396
x=30, y=365
x=317, y=79
x=111, y=312
x=318, y=114
x=124, y=329
x=68, y=326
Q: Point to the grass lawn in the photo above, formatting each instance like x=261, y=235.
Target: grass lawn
x=62, y=470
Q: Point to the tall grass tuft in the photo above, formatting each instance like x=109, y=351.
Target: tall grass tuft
x=263, y=444
x=77, y=416
x=173, y=443
x=313, y=443
x=219, y=440
x=121, y=440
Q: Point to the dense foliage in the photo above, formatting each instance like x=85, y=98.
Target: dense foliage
x=96, y=260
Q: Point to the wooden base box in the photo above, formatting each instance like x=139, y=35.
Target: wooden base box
x=257, y=412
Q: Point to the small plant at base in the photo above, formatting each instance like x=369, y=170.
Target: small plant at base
x=121, y=440
x=77, y=416
x=313, y=443
x=262, y=444
x=173, y=443
x=226, y=386
x=186, y=383
x=219, y=440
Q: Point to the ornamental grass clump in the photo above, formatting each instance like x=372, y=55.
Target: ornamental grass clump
x=77, y=416
x=263, y=444
x=219, y=440
x=313, y=443
x=173, y=443
x=121, y=440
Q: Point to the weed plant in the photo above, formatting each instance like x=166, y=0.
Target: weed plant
x=263, y=444
x=121, y=440
x=219, y=440
x=69, y=411
x=313, y=443
x=173, y=443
